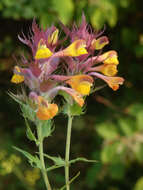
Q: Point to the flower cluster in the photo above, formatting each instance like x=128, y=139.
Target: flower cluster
x=71, y=69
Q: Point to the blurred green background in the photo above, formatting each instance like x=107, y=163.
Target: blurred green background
x=111, y=131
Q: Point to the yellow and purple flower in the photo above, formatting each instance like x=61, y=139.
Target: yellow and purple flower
x=71, y=69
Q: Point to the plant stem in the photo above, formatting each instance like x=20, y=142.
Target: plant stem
x=67, y=153
x=43, y=169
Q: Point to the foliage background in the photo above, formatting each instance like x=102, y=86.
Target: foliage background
x=111, y=130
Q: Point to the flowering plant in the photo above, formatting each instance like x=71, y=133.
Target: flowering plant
x=70, y=71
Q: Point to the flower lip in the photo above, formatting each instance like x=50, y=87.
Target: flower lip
x=17, y=77
x=81, y=83
x=42, y=51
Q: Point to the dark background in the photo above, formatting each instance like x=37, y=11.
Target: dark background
x=111, y=130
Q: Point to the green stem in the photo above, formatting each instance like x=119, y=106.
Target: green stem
x=43, y=169
x=67, y=153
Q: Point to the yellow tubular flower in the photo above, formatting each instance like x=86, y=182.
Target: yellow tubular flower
x=81, y=83
x=42, y=52
x=110, y=57
x=17, y=78
x=45, y=110
x=77, y=48
x=109, y=69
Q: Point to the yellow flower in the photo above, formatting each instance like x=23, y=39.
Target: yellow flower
x=81, y=83
x=42, y=52
x=17, y=78
x=77, y=48
x=110, y=57
x=107, y=69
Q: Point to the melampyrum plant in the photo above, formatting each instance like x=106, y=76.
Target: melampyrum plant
x=56, y=68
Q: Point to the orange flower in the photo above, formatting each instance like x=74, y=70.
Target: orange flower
x=17, y=78
x=81, y=83
x=45, y=110
x=114, y=82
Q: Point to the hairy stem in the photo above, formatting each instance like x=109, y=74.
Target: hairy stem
x=67, y=153
x=43, y=169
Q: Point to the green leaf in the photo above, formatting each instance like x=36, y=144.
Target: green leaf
x=93, y=174
x=112, y=152
x=108, y=130
x=47, y=129
x=33, y=160
x=138, y=150
x=127, y=126
x=73, y=109
x=81, y=159
x=139, y=184
x=97, y=18
x=28, y=112
x=76, y=110
x=124, y=3
x=29, y=132
x=140, y=120
x=57, y=160
x=111, y=14
x=117, y=170
x=64, y=9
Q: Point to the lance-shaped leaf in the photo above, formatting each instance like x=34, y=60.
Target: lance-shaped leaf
x=81, y=159
x=57, y=160
x=29, y=132
x=33, y=160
